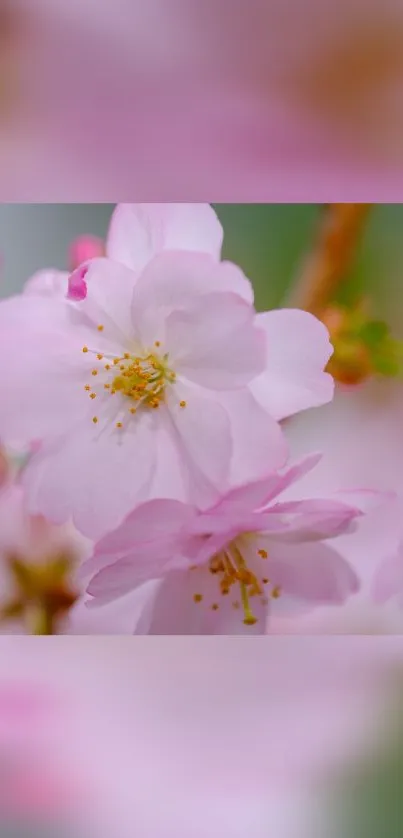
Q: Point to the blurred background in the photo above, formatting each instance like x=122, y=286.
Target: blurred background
x=165, y=100
x=184, y=738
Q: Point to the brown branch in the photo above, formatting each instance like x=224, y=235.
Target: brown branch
x=327, y=265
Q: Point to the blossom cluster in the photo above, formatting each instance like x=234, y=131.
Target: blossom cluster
x=149, y=398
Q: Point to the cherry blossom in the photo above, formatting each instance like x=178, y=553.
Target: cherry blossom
x=223, y=570
x=124, y=391
x=155, y=377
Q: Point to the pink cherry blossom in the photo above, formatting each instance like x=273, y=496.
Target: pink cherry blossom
x=38, y=546
x=298, y=347
x=223, y=570
x=126, y=393
x=38, y=566
x=154, y=328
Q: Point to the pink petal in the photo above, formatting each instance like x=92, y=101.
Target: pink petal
x=313, y=572
x=138, y=232
x=108, y=298
x=298, y=350
x=151, y=523
x=314, y=519
x=365, y=500
x=77, y=286
x=117, y=617
x=258, y=494
x=388, y=580
x=259, y=445
x=94, y=476
x=203, y=433
x=48, y=283
x=175, y=611
x=215, y=343
x=44, y=376
x=172, y=281
x=125, y=575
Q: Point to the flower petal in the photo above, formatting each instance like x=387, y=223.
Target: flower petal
x=146, y=530
x=298, y=350
x=258, y=494
x=48, y=283
x=312, y=571
x=176, y=612
x=388, y=580
x=95, y=477
x=127, y=574
x=259, y=445
x=42, y=376
x=203, y=436
x=215, y=343
x=108, y=299
x=172, y=281
x=117, y=617
x=138, y=232
x=313, y=519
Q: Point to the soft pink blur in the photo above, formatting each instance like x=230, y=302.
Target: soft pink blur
x=172, y=738
x=361, y=437
x=252, y=100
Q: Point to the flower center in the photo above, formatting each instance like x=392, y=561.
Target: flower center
x=140, y=378
x=234, y=575
x=42, y=592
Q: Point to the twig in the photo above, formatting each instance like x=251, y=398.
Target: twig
x=327, y=265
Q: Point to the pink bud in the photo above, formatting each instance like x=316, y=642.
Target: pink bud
x=77, y=287
x=84, y=248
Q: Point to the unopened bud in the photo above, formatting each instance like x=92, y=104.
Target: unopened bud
x=85, y=248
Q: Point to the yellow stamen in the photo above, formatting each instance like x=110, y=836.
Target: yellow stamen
x=197, y=598
x=93, y=395
x=263, y=554
x=100, y=356
x=87, y=387
x=182, y=403
x=85, y=348
x=94, y=372
x=95, y=419
x=119, y=424
x=100, y=328
x=249, y=619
